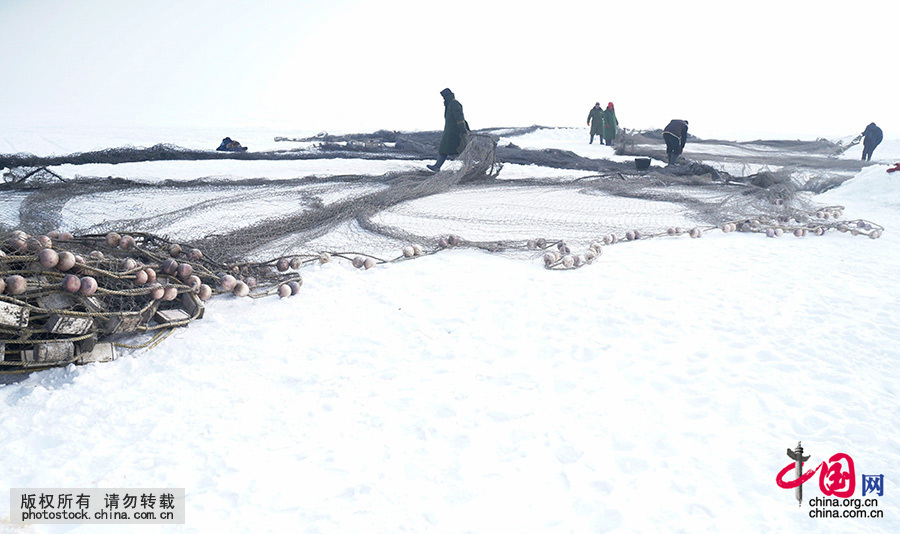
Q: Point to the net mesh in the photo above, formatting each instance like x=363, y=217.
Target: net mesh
x=262, y=231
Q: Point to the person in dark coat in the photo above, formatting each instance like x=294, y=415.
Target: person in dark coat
x=610, y=124
x=675, y=135
x=872, y=137
x=228, y=145
x=456, y=130
x=595, y=121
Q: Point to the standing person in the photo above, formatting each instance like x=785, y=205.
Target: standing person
x=456, y=130
x=595, y=121
x=872, y=137
x=610, y=124
x=675, y=135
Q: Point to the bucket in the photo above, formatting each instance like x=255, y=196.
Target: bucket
x=642, y=164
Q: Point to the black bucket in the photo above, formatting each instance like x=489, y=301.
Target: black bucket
x=642, y=164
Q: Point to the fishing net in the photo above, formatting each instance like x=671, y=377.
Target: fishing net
x=253, y=236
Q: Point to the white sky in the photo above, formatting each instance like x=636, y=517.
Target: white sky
x=757, y=69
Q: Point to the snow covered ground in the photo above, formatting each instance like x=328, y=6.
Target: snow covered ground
x=655, y=390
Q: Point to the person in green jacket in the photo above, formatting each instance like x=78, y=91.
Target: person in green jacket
x=456, y=130
x=610, y=124
x=595, y=121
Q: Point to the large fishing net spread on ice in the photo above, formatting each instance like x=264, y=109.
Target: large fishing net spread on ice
x=91, y=258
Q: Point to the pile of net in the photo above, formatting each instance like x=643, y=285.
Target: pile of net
x=146, y=253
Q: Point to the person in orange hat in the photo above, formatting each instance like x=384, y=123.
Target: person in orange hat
x=610, y=124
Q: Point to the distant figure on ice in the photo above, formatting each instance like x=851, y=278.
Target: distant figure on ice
x=456, y=130
x=595, y=121
x=872, y=137
x=675, y=135
x=231, y=146
x=610, y=124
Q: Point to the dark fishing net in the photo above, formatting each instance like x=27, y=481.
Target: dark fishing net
x=263, y=231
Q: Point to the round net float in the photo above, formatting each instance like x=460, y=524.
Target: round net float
x=96, y=255
x=112, y=239
x=48, y=258
x=140, y=277
x=798, y=232
x=418, y=250
x=205, y=292
x=170, y=293
x=369, y=263
x=16, y=245
x=578, y=261
x=454, y=240
x=443, y=243
x=88, y=285
x=638, y=234
x=250, y=281
x=169, y=266
x=128, y=264
x=71, y=283
x=45, y=241
x=295, y=263
x=284, y=291
x=875, y=234
x=549, y=259
x=359, y=261
x=629, y=235
x=3, y=285
x=819, y=231
x=227, y=282
x=195, y=254
x=408, y=252
x=295, y=286
x=126, y=242
x=590, y=256
x=696, y=233
x=324, y=257
x=32, y=244
x=174, y=250
x=53, y=234
x=66, y=261
x=283, y=264
x=240, y=289
x=778, y=232
x=194, y=282
x=151, y=274
x=540, y=242
x=157, y=292
x=66, y=236
x=568, y=261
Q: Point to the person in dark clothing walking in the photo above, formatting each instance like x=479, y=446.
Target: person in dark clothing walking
x=456, y=130
x=595, y=121
x=675, y=135
x=872, y=137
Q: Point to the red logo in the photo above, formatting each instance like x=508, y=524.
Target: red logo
x=837, y=478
